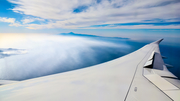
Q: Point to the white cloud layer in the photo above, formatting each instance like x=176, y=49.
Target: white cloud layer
x=60, y=13
x=49, y=54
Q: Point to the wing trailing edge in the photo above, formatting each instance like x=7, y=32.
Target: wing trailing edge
x=155, y=70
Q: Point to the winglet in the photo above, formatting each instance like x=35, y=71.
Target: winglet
x=158, y=41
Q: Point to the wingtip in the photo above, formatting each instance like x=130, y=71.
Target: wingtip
x=158, y=41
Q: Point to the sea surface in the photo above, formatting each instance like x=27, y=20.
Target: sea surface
x=66, y=52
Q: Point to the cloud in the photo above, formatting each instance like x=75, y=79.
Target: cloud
x=29, y=20
x=12, y=21
x=85, y=13
x=49, y=54
x=4, y=52
x=9, y=20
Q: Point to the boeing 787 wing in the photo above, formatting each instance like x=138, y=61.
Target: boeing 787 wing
x=139, y=76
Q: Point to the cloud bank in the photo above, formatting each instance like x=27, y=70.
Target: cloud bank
x=48, y=54
x=85, y=14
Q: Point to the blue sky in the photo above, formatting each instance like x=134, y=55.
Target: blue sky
x=102, y=17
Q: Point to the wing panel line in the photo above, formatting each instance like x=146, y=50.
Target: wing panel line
x=136, y=71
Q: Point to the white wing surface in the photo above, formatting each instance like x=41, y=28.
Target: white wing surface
x=139, y=76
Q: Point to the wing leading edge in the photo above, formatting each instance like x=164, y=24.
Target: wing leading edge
x=132, y=77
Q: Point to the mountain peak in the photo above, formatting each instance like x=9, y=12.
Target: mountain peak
x=87, y=35
x=71, y=33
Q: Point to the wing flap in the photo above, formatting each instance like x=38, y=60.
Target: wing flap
x=160, y=82
x=174, y=94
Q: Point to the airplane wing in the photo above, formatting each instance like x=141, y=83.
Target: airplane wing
x=139, y=76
